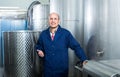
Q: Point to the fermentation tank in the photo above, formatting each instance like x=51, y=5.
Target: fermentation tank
x=101, y=29
x=19, y=53
x=37, y=16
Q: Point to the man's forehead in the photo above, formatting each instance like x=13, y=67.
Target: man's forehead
x=54, y=15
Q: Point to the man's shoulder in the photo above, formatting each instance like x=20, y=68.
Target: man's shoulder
x=65, y=30
x=43, y=32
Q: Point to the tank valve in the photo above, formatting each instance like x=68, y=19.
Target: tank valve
x=100, y=53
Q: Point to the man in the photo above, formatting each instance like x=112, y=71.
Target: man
x=53, y=45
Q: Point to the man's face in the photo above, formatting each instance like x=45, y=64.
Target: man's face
x=53, y=20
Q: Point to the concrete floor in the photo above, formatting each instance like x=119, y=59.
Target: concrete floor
x=1, y=72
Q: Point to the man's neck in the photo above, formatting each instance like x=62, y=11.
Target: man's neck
x=53, y=30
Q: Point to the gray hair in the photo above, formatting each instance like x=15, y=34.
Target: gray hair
x=54, y=13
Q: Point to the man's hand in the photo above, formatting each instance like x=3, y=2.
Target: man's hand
x=85, y=62
x=40, y=53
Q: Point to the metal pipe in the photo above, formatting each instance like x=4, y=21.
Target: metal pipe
x=98, y=69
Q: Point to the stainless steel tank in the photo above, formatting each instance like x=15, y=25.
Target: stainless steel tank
x=37, y=16
x=101, y=29
x=40, y=17
x=19, y=53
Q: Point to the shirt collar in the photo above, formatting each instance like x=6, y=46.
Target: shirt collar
x=55, y=30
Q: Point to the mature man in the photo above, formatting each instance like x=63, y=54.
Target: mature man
x=53, y=45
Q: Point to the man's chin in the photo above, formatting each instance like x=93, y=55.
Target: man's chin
x=53, y=27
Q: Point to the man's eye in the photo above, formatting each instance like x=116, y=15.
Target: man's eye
x=55, y=19
x=51, y=18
